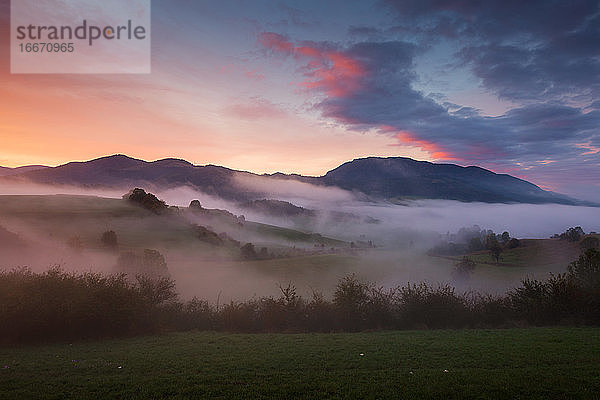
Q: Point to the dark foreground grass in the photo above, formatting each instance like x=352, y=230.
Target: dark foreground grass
x=537, y=363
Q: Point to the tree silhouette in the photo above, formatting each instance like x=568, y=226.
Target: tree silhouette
x=495, y=252
x=109, y=239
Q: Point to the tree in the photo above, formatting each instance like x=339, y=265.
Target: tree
x=495, y=252
x=195, y=205
x=146, y=200
x=156, y=290
x=248, y=252
x=264, y=253
x=505, y=237
x=464, y=268
x=491, y=240
x=350, y=299
x=154, y=263
x=475, y=244
x=109, y=239
x=586, y=269
x=150, y=264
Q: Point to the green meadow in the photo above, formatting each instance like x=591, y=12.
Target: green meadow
x=532, y=363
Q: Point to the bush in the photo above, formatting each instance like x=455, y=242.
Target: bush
x=422, y=306
x=248, y=252
x=586, y=269
x=463, y=269
x=590, y=242
x=57, y=305
x=350, y=300
x=109, y=240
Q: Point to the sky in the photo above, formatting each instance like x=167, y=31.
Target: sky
x=301, y=87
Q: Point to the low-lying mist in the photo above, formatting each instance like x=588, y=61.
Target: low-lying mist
x=401, y=235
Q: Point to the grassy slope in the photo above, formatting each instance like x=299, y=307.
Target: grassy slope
x=534, y=257
x=60, y=217
x=537, y=363
x=292, y=235
x=64, y=216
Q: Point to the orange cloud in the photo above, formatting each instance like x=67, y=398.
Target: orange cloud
x=332, y=72
x=588, y=146
x=436, y=152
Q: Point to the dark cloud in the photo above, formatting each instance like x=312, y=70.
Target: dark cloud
x=541, y=55
x=366, y=31
x=385, y=95
x=494, y=18
x=522, y=50
x=381, y=96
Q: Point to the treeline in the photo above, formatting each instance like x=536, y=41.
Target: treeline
x=57, y=305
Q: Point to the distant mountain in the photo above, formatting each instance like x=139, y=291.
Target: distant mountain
x=392, y=179
x=398, y=178
x=120, y=171
x=4, y=171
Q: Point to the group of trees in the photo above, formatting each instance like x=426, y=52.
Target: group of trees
x=475, y=239
x=572, y=234
x=576, y=234
x=248, y=252
x=148, y=263
x=146, y=200
x=495, y=244
x=57, y=305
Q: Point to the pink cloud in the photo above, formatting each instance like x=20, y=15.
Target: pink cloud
x=410, y=139
x=276, y=42
x=332, y=72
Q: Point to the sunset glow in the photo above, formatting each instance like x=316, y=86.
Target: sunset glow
x=295, y=88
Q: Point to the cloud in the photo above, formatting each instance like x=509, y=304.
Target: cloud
x=292, y=190
x=520, y=50
x=550, y=71
x=327, y=70
x=369, y=84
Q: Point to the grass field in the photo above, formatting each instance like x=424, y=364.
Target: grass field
x=536, y=363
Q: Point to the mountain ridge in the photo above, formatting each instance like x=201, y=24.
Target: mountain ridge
x=382, y=178
x=6, y=171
